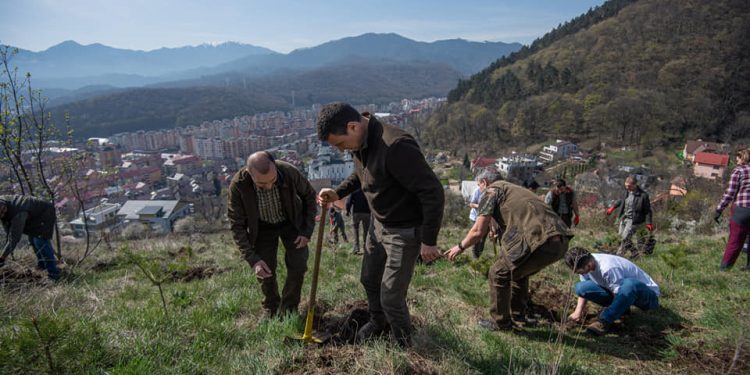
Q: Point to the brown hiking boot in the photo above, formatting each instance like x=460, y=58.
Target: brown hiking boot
x=491, y=325
x=598, y=328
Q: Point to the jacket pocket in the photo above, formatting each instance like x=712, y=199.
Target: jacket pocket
x=515, y=247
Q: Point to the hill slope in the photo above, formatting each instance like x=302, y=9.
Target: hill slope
x=642, y=73
x=157, y=108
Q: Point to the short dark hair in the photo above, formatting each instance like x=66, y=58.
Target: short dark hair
x=577, y=257
x=333, y=118
x=560, y=183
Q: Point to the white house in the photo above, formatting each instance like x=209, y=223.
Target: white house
x=159, y=215
x=520, y=167
x=102, y=217
x=558, y=151
x=328, y=165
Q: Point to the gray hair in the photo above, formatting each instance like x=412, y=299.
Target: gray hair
x=489, y=175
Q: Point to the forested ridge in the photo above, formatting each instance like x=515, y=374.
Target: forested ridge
x=159, y=108
x=642, y=73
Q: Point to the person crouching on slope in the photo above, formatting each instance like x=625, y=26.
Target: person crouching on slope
x=610, y=281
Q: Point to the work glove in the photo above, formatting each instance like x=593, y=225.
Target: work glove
x=610, y=210
x=576, y=220
x=717, y=215
x=650, y=227
x=2, y=261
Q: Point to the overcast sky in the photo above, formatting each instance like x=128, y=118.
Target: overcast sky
x=281, y=25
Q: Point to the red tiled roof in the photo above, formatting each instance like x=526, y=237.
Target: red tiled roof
x=481, y=162
x=712, y=159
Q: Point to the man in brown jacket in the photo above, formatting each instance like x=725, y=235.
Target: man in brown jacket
x=533, y=237
x=271, y=200
x=406, y=200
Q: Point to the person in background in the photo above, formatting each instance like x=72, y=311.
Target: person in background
x=36, y=218
x=478, y=248
x=612, y=282
x=738, y=191
x=357, y=207
x=337, y=226
x=562, y=199
x=533, y=237
x=635, y=210
x=406, y=199
x=532, y=185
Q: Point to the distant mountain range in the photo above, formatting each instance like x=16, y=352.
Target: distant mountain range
x=93, y=82
x=70, y=65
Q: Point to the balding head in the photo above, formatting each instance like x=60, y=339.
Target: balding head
x=262, y=169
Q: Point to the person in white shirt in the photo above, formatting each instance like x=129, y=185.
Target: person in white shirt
x=610, y=281
x=482, y=184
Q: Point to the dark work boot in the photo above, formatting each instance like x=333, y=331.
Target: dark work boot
x=368, y=331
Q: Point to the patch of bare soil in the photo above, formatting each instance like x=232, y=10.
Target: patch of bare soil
x=196, y=273
x=106, y=265
x=550, y=304
x=339, y=325
x=16, y=278
x=730, y=359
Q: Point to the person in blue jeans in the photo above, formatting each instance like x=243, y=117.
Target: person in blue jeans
x=34, y=217
x=612, y=282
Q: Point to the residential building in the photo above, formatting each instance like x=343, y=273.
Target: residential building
x=100, y=218
x=694, y=147
x=159, y=215
x=328, y=165
x=709, y=165
x=518, y=167
x=560, y=150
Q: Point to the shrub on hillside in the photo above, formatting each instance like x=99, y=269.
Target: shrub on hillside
x=456, y=210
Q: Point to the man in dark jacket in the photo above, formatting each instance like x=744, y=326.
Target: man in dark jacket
x=22, y=214
x=271, y=200
x=562, y=199
x=635, y=210
x=406, y=199
x=533, y=237
x=356, y=205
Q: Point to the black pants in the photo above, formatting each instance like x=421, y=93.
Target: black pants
x=387, y=268
x=267, y=246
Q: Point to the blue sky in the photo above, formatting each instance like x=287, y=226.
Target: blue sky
x=281, y=25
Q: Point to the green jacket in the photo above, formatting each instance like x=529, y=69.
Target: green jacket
x=526, y=221
x=26, y=215
x=297, y=199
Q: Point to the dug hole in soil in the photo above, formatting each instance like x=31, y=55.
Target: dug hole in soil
x=338, y=326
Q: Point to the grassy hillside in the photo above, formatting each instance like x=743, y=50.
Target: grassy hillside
x=644, y=73
x=108, y=317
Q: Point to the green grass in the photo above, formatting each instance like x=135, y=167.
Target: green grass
x=108, y=318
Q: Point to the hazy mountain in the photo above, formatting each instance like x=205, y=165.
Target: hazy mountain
x=72, y=65
x=370, y=68
x=465, y=56
x=644, y=73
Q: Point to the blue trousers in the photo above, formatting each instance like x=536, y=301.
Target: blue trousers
x=632, y=292
x=45, y=256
